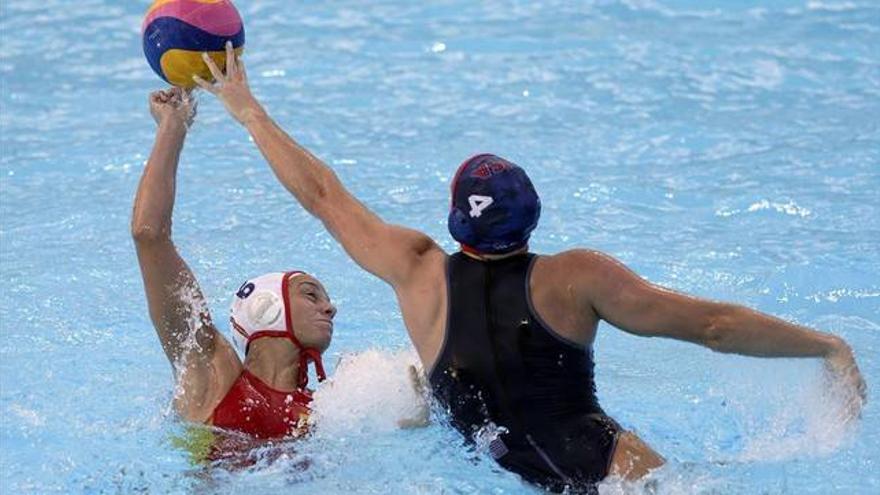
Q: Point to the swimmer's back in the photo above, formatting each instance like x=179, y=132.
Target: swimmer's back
x=558, y=286
x=502, y=366
x=494, y=334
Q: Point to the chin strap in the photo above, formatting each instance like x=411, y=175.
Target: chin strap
x=306, y=354
x=314, y=356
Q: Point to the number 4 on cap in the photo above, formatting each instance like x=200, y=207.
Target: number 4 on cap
x=478, y=204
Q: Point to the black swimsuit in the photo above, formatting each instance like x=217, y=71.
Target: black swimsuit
x=513, y=385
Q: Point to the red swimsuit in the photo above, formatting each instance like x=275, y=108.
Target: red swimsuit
x=257, y=409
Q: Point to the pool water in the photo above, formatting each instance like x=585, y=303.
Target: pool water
x=726, y=149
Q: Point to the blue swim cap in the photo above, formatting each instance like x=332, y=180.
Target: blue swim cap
x=494, y=206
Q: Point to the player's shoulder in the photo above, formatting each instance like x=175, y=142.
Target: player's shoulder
x=574, y=258
x=576, y=266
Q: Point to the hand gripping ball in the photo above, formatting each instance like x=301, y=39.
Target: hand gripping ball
x=176, y=32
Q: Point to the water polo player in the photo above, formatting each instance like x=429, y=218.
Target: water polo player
x=281, y=321
x=508, y=334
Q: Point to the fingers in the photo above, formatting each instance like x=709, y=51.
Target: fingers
x=855, y=379
x=175, y=97
x=855, y=391
x=853, y=405
x=231, y=69
x=215, y=71
x=205, y=85
x=239, y=68
x=861, y=387
x=416, y=379
x=160, y=97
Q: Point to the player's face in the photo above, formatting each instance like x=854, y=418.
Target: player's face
x=312, y=312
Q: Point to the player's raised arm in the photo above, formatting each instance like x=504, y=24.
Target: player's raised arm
x=388, y=251
x=176, y=304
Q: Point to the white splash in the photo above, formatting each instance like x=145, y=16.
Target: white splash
x=368, y=391
x=815, y=423
x=197, y=315
x=789, y=208
x=666, y=481
x=273, y=73
x=486, y=437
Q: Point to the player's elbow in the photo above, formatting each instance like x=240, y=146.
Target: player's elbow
x=322, y=194
x=718, y=328
x=145, y=233
x=317, y=202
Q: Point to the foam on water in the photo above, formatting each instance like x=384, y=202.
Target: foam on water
x=370, y=391
x=808, y=421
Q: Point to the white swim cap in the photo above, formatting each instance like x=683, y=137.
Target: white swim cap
x=261, y=308
x=258, y=310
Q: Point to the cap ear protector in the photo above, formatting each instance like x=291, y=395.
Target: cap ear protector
x=261, y=308
x=265, y=309
x=494, y=206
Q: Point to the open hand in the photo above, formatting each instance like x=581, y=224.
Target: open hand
x=231, y=88
x=844, y=373
x=173, y=106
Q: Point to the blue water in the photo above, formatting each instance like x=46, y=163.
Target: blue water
x=727, y=149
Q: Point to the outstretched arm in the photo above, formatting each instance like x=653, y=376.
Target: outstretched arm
x=627, y=301
x=387, y=251
x=176, y=304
